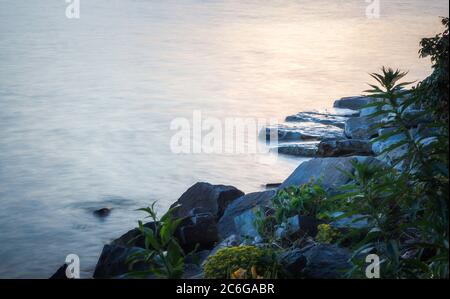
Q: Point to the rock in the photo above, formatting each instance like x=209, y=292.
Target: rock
x=244, y=224
x=351, y=222
x=325, y=261
x=304, y=131
x=326, y=119
x=353, y=103
x=112, y=261
x=344, y=147
x=230, y=241
x=394, y=155
x=362, y=127
x=60, y=273
x=205, y=198
x=293, y=262
x=303, y=149
x=200, y=229
x=272, y=185
x=243, y=204
x=326, y=169
x=129, y=238
x=102, y=212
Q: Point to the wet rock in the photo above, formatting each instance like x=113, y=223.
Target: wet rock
x=344, y=147
x=326, y=119
x=243, y=204
x=301, y=149
x=305, y=131
x=353, y=103
x=205, y=198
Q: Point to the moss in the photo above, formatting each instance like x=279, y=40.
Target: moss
x=247, y=260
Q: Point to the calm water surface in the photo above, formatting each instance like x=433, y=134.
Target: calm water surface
x=86, y=105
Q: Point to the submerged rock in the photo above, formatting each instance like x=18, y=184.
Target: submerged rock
x=102, y=212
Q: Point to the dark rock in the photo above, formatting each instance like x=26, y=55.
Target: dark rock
x=60, y=273
x=344, y=147
x=241, y=205
x=325, y=261
x=363, y=127
x=205, y=198
x=112, y=261
x=272, y=185
x=102, y=212
x=292, y=262
x=200, y=229
x=133, y=238
x=304, y=149
x=353, y=103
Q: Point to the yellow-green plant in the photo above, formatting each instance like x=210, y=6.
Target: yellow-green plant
x=326, y=234
x=241, y=262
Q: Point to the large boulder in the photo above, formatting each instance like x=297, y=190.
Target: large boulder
x=113, y=261
x=344, y=147
x=196, y=230
x=328, y=170
x=353, y=103
x=205, y=198
x=325, y=261
x=317, y=261
x=240, y=206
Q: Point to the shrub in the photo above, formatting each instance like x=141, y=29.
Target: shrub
x=326, y=234
x=241, y=262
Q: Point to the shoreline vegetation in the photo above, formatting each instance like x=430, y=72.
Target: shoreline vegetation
x=374, y=193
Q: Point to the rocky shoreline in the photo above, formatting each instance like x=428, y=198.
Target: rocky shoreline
x=218, y=216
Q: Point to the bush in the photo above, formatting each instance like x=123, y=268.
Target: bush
x=241, y=262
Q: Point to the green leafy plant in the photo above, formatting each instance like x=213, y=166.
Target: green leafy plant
x=241, y=262
x=162, y=253
x=406, y=204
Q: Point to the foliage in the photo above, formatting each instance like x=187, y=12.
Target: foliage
x=435, y=88
x=241, y=262
x=326, y=234
x=406, y=204
x=162, y=253
x=307, y=200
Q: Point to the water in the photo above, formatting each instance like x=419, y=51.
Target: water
x=86, y=105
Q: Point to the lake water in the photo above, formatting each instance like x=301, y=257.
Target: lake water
x=86, y=104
